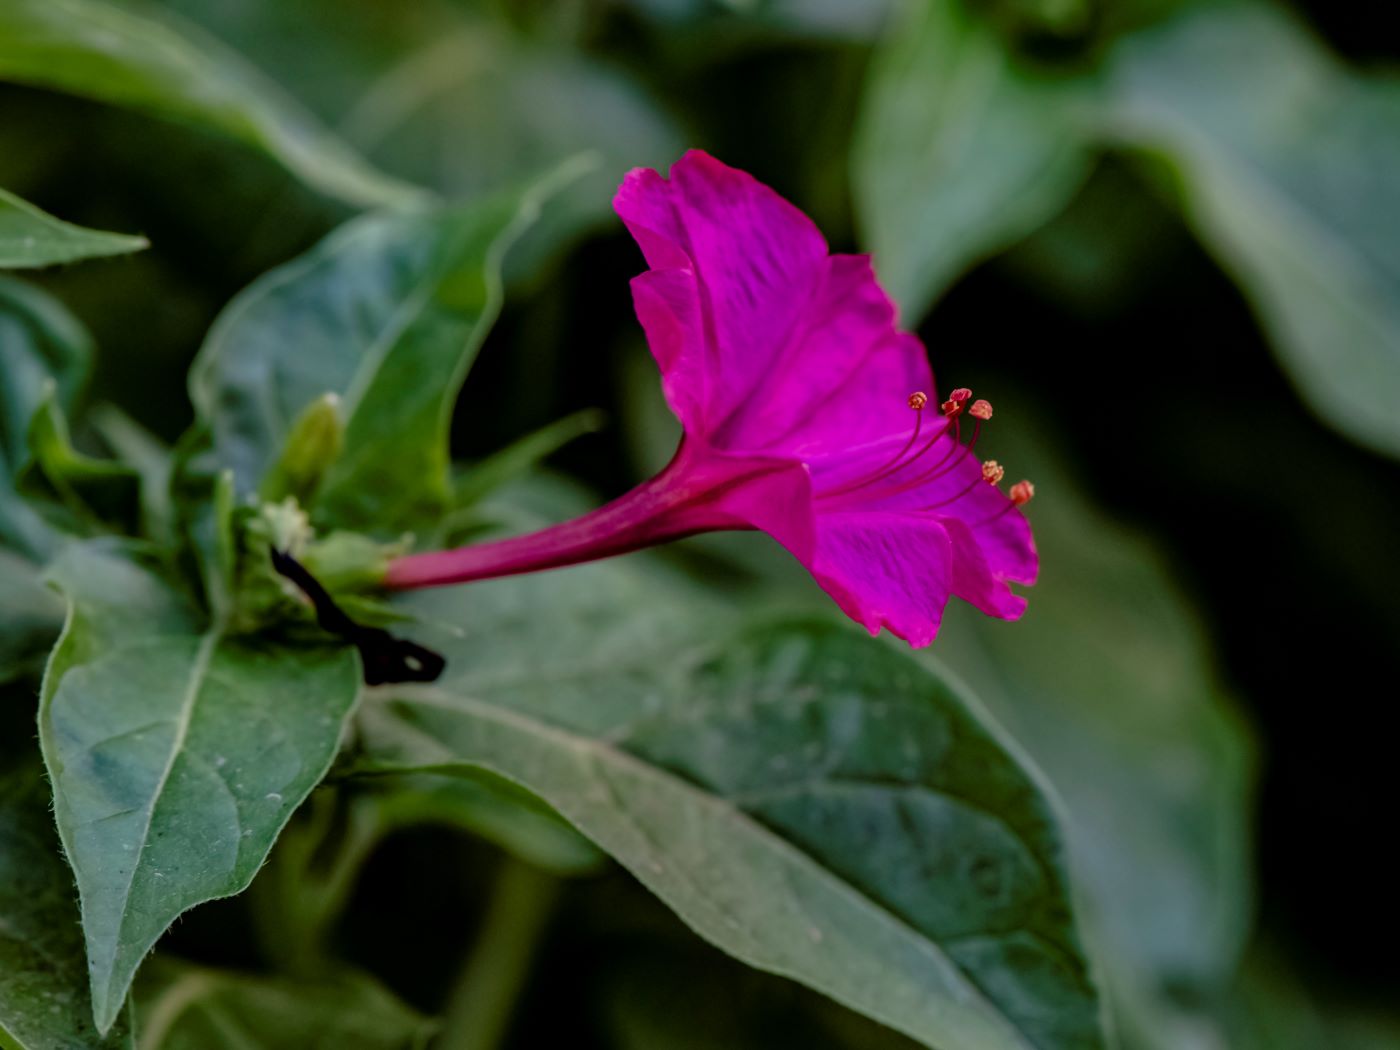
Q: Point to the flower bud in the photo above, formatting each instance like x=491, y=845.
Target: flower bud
x=313, y=444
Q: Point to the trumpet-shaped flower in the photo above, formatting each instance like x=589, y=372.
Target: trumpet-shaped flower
x=807, y=414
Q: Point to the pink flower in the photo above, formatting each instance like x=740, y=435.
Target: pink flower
x=805, y=416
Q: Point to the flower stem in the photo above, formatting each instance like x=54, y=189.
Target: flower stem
x=496, y=969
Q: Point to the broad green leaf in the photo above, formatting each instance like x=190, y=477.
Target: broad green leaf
x=30, y=616
x=1285, y=159
x=184, y=1007
x=387, y=313
x=960, y=150
x=40, y=344
x=176, y=753
x=811, y=801
x=43, y=979
x=31, y=238
x=152, y=62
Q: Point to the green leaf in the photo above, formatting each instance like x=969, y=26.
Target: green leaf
x=152, y=62
x=93, y=491
x=43, y=995
x=811, y=801
x=30, y=617
x=1285, y=160
x=1112, y=685
x=30, y=238
x=139, y=449
x=176, y=753
x=387, y=313
x=301, y=893
x=960, y=151
x=40, y=343
x=184, y=1007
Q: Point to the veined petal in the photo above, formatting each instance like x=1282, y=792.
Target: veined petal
x=843, y=379
x=756, y=259
x=944, y=482
x=668, y=306
x=886, y=570
x=974, y=581
x=771, y=494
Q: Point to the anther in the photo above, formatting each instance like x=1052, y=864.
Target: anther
x=1021, y=492
x=980, y=409
x=954, y=405
x=918, y=400
x=993, y=472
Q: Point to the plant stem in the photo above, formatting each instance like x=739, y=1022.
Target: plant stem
x=483, y=998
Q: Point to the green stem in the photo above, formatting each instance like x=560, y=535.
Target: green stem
x=496, y=969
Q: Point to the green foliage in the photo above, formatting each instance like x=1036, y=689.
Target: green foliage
x=93, y=491
x=177, y=753
x=30, y=617
x=868, y=859
x=962, y=150
x=966, y=146
x=1283, y=158
x=387, y=314
x=194, y=1008
x=43, y=985
x=482, y=106
x=30, y=238
x=844, y=820
x=151, y=62
x=41, y=346
x=1157, y=791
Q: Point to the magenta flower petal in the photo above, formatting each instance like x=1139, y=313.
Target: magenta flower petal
x=886, y=570
x=808, y=414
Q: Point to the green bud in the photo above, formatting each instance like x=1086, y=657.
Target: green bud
x=313, y=445
x=348, y=562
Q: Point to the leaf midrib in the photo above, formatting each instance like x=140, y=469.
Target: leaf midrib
x=199, y=669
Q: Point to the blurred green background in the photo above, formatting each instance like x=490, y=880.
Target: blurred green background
x=1162, y=237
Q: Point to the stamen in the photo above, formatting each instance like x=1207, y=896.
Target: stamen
x=991, y=472
x=917, y=401
x=952, y=408
x=1020, y=494
x=956, y=454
